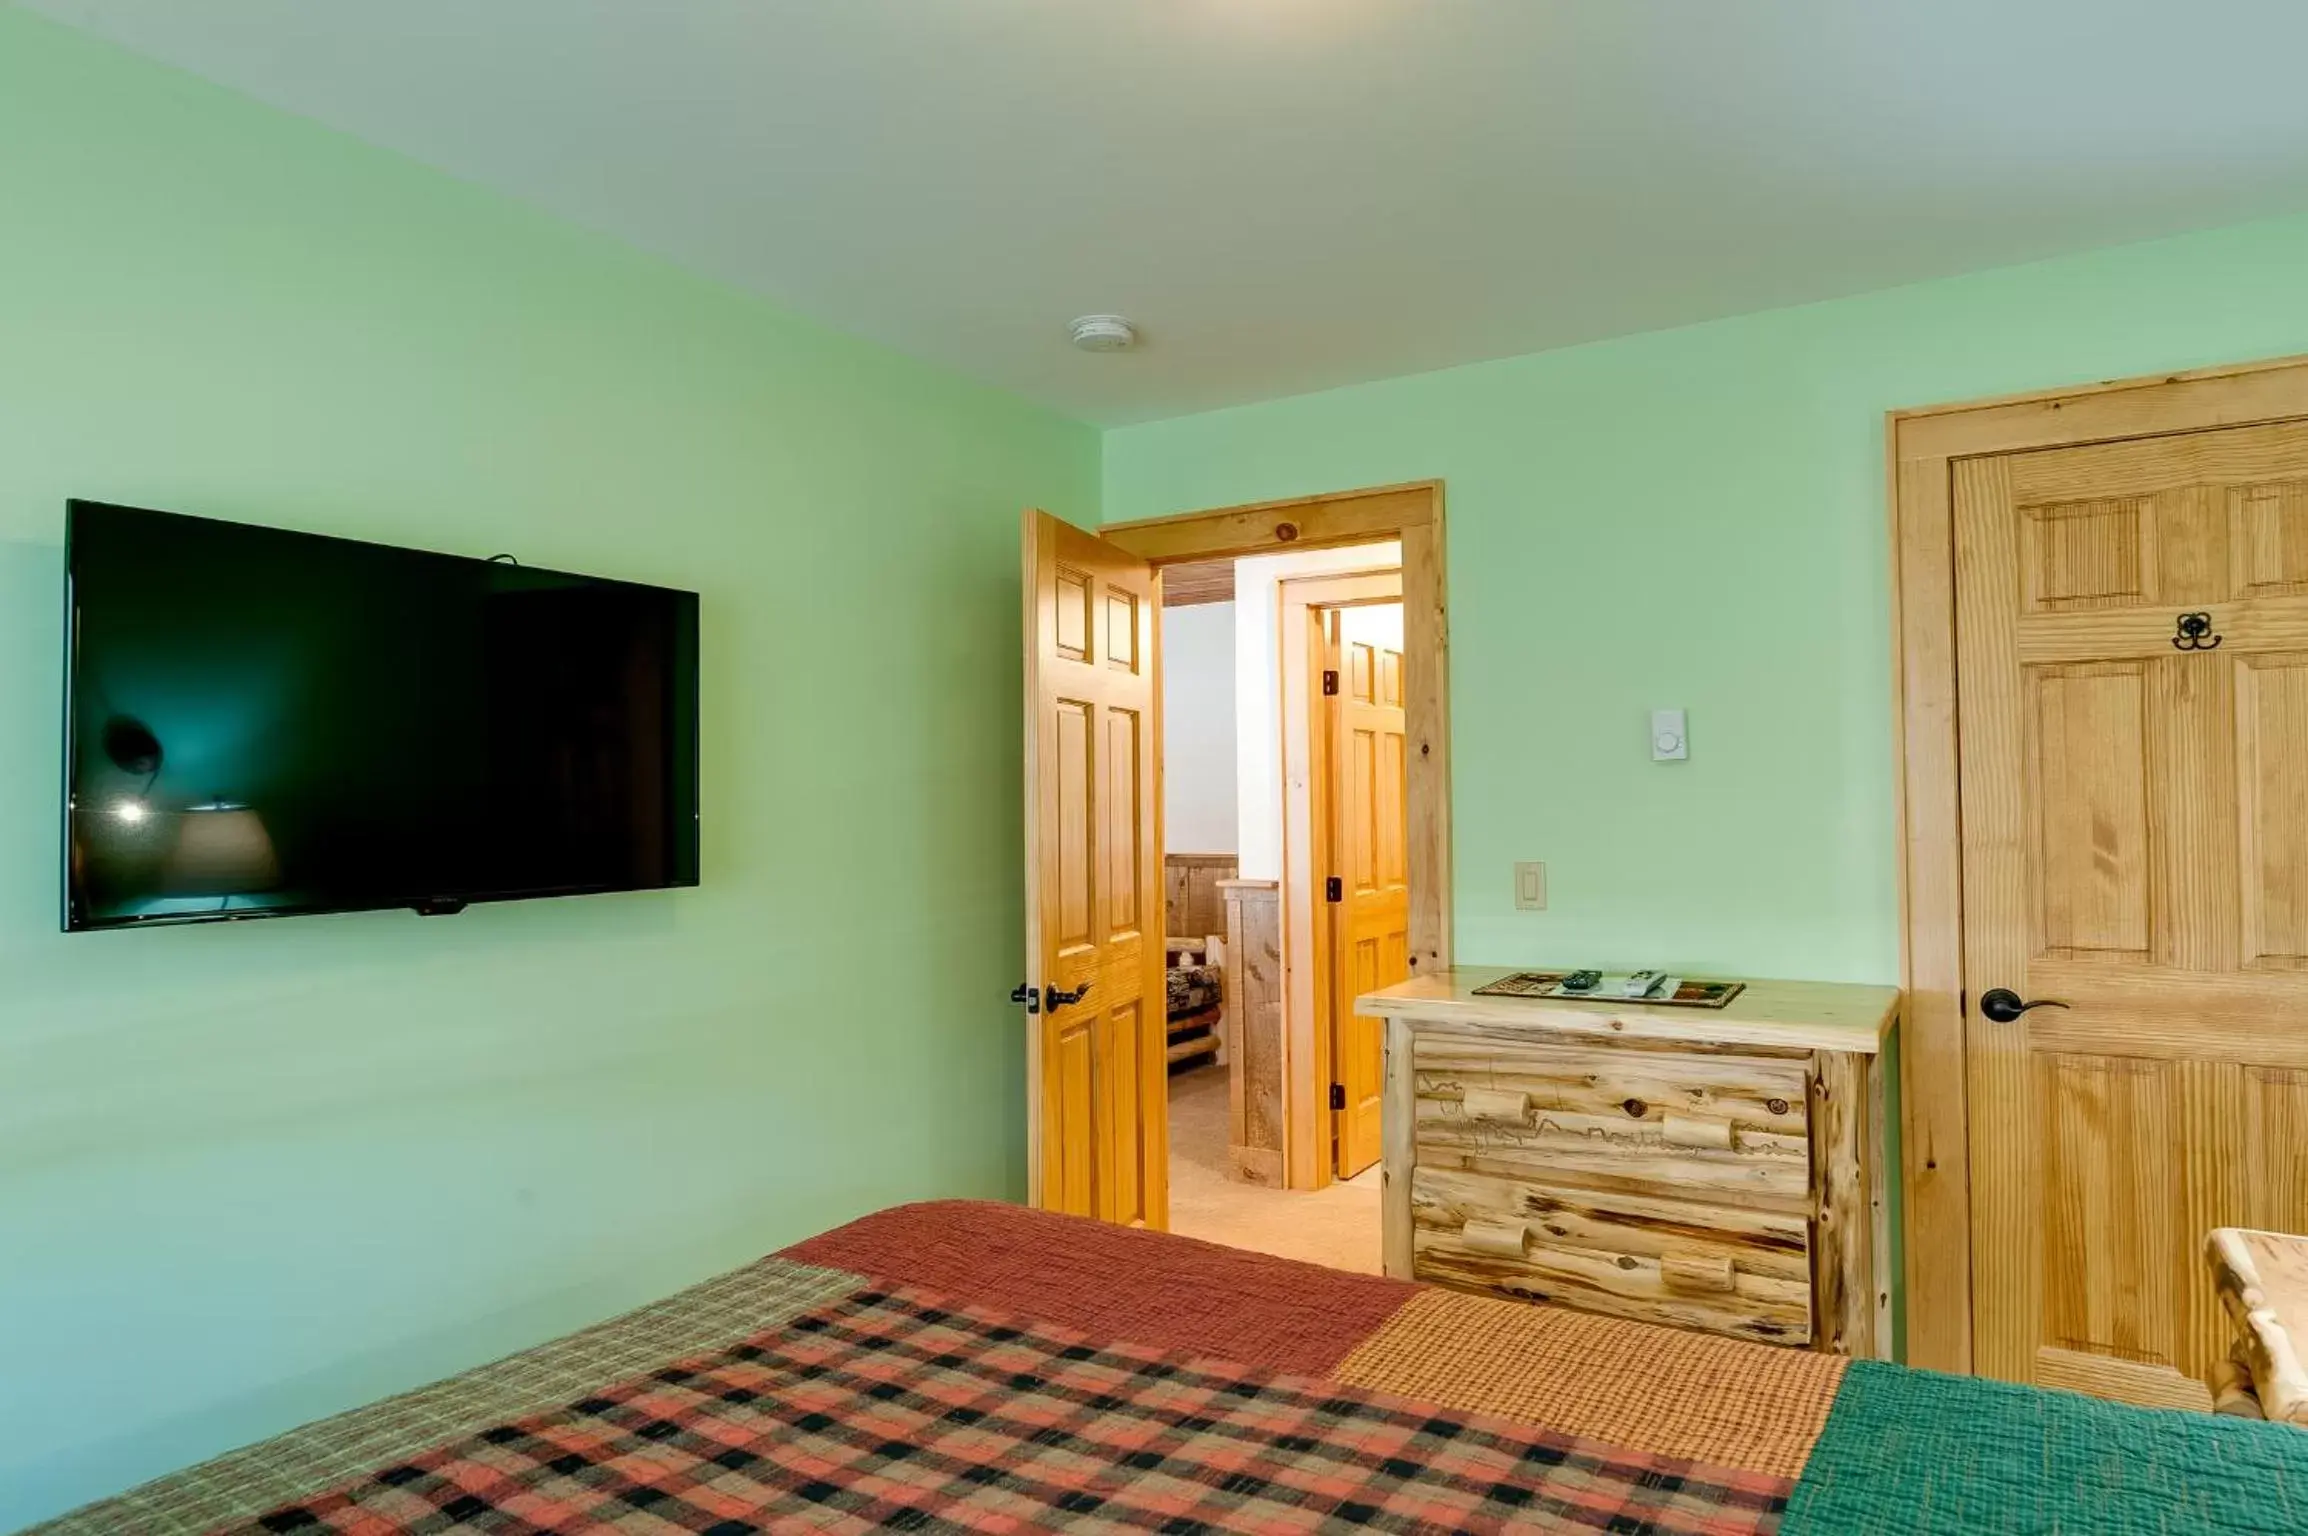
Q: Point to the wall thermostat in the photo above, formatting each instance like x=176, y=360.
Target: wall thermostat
x=1670, y=738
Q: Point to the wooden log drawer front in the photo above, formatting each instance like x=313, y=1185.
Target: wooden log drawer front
x=1712, y=1169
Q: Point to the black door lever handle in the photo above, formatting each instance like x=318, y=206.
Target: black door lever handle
x=1024, y=993
x=1054, y=999
x=2003, y=1005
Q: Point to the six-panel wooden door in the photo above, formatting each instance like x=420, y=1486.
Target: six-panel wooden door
x=1370, y=936
x=2132, y=674
x=1097, y=1065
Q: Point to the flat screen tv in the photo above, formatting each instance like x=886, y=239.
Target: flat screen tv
x=261, y=724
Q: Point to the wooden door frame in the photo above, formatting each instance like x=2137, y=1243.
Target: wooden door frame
x=1411, y=514
x=1921, y=447
x=1309, y=782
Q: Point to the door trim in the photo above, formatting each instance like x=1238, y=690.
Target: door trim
x=1413, y=514
x=1308, y=794
x=1921, y=447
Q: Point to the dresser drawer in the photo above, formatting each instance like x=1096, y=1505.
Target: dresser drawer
x=1613, y=1117
x=1718, y=1269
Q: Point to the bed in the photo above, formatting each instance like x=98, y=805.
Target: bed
x=1195, y=1010
x=965, y=1366
x=1194, y=920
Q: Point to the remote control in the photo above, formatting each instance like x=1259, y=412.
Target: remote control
x=1582, y=981
x=1639, y=984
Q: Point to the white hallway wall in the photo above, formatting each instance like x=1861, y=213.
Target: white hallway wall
x=1257, y=710
x=1379, y=625
x=1198, y=723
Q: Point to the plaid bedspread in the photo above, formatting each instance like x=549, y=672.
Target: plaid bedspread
x=965, y=1368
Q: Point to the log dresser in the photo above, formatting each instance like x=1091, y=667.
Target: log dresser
x=2262, y=1281
x=1721, y=1170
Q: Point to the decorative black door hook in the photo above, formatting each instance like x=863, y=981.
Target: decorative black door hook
x=2195, y=633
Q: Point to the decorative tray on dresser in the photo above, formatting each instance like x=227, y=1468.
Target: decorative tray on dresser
x=1718, y=1169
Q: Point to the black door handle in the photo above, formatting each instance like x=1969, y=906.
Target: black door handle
x=2003, y=1005
x=1053, y=999
x=1024, y=992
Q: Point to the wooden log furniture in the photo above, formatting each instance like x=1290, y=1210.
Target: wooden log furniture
x=1196, y=1015
x=2262, y=1278
x=1720, y=1170
x=1194, y=920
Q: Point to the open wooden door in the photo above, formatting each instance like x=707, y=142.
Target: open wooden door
x=2132, y=652
x=1097, y=1088
x=1370, y=935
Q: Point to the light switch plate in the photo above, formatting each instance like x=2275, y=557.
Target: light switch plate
x=1530, y=887
x=1670, y=736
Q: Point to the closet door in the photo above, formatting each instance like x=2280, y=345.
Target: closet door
x=1370, y=937
x=2132, y=670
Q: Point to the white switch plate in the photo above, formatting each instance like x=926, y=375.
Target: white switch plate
x=1530, y=887
x=1670, y=736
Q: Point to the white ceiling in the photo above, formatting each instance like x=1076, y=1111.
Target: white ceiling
x=1290, y=194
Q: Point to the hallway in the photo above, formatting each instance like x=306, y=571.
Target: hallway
x=1337, y=1226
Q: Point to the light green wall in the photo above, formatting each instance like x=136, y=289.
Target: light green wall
x=250, y=1175
x=1696, y=518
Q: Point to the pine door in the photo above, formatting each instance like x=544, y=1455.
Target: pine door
x=1370, y=938
x=1097, y=1061
x=2132, y=670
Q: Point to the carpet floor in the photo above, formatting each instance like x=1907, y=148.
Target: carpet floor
x=1337, y=1226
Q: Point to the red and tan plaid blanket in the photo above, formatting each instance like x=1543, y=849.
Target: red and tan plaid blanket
x=970, y=1368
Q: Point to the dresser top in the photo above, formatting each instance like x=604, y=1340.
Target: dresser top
x=1789, y=1015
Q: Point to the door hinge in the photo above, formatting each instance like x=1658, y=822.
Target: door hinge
x=1338, y=1095
x=1329, y=683
x=1334, y=889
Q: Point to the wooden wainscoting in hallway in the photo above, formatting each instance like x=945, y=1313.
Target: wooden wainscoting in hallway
x=1336, y=1225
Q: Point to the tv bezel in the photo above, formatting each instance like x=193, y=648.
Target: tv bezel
x=690, y=861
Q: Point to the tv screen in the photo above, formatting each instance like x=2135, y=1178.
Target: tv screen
x=262, y=723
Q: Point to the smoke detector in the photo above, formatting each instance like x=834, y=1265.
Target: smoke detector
x=1103, y=333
